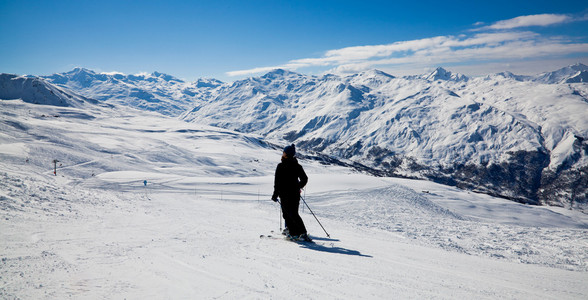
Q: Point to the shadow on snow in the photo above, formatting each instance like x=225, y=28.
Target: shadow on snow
x=331, y=249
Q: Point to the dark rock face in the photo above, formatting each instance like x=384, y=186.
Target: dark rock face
x=518, y=179
x=521, y=178
x=568, y=184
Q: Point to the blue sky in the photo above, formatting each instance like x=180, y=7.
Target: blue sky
x=230, y=40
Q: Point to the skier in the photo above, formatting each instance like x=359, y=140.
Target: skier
x=289, y=180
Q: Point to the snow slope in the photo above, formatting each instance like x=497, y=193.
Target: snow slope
x=96, y=231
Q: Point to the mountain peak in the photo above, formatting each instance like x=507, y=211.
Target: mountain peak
x=81, y=76
x=207, y=83
x=279, y=73
x=571, y=69
x=371, y=78
x=579, y=66
x=575, y=73
x=442, y=74
x=508, y=75
x=164, y=76
x=440, y=71
x=376, y=73
x=80, y=71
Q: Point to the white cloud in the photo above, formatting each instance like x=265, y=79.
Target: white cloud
x=112, y=73
x=467, y=48
x=145, y=74
x=532, y=20
x=252, y=71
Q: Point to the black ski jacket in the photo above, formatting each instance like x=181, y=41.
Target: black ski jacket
x=290, y=178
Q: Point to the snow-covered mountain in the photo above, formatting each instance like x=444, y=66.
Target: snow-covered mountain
x=442, y=74
x=154, y=92
x=570, y=74
x=520, y=137
x=36, y=90
x=500, y=134
x=145, y=206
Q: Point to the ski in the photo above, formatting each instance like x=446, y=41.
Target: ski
x=274, y=236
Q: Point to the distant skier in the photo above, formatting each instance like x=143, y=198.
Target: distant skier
x=289, y=180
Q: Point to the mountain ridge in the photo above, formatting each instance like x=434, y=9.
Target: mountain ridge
x=156, y=91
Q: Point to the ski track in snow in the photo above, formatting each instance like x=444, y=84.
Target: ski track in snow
x=193, y=231
x=75, y=241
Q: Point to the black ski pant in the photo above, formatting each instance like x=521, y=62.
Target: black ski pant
x=293, y=220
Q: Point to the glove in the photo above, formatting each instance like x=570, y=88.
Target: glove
x=275, y=197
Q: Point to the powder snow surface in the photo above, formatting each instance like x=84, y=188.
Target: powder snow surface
x=96, y=231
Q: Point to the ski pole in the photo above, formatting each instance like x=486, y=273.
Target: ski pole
x=315, y=216
x=280, y=211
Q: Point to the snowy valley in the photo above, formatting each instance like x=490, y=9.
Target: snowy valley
x=162, y=187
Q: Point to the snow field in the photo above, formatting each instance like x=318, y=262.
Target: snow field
x=399, y=209
x=132, y=243
x=96, y=231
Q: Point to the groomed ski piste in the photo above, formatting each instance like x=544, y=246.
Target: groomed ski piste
x=148, y=207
